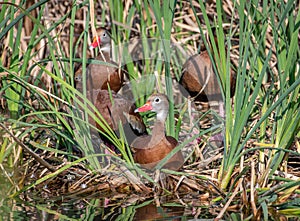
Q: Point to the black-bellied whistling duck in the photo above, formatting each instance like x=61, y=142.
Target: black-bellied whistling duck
x=101, y=76
x=200, y=80
x=116, y=109
x=103, y=83
x=149, y=150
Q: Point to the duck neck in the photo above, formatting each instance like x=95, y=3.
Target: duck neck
x=158, y=129
x=158, y=132
x=105, y=51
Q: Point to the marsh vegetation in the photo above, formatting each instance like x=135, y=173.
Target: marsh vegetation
x=48, y=153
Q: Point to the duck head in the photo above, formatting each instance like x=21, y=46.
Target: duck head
x=101, y=40
x=157, y=103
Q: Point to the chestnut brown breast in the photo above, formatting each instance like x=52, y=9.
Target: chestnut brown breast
x=105, y=75
x=101, y=77
x=149, y=157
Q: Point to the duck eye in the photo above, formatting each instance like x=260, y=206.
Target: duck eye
x=157, y=100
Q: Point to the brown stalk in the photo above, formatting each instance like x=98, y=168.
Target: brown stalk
x=28, y=150
x=252, y=190
x=236, y=190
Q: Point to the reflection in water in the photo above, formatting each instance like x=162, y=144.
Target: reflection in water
x=85, y=209
x=64, y=208
x=151, y=212
x=12, y=209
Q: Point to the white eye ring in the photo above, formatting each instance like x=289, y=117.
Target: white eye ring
x=157, y=100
